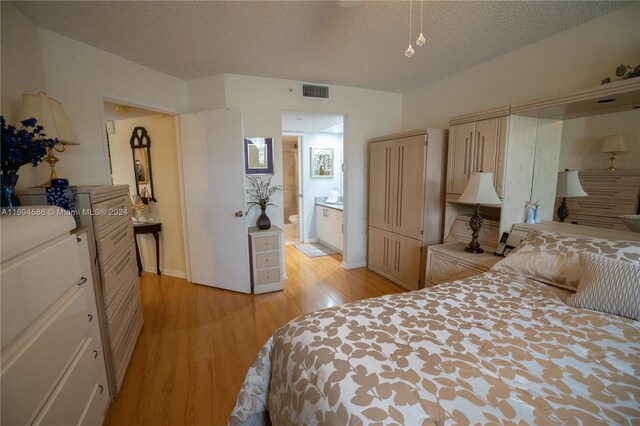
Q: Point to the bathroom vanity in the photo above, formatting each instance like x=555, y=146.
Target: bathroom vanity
x=330, y=224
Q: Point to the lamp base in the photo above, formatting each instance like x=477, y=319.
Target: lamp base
x=475, y=223
x=611, y=167
x=563, y=210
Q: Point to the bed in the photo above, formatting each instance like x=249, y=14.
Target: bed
x=502, y=347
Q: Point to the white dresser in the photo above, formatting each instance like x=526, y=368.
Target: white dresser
x=52, y=364
x=105, y=211
x=267, y=260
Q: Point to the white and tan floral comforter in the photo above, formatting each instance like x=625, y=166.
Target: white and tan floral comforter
x=496, y=348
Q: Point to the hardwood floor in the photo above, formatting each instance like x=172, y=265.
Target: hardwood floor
x=198, y=342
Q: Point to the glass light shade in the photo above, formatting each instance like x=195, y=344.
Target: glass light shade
x=50, y=116
x=569, y=185
x=613, y=143
x=421, y=40
x=409, y=52
x=480, y=190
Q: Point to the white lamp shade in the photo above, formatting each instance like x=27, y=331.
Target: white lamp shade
x=569, y=185
x=50, y=116
x=480, y=190
x=613, y=143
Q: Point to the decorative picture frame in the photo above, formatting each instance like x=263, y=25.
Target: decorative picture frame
x=258, y=156
x=322, y=162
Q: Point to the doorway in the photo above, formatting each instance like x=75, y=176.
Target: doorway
x=120, y=120
x=312, y=160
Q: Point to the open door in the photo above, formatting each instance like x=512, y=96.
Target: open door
x=213, y=179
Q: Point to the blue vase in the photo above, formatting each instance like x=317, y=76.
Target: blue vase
x=536, y=215
x=530, y=215
x=9, y=196
x=62, y=195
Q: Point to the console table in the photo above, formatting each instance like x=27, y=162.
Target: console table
x=148, y=228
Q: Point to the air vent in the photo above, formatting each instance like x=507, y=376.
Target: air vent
x=315, y=91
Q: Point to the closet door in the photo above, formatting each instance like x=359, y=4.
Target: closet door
x=381, y=184
x=408, y=200
x=460, y=157
x=405, y=263
x=381, y=249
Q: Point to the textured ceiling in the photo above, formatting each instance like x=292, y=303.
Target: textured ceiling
x=350, y=43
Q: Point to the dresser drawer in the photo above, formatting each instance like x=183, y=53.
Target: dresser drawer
x=93, y=412
x=106, y=213
x=444, y=270
x=29, y=375
x=29, y=285
x=118, y=319
x=615, y=194
x=606, y=179
x=267, y=276
x=267, y=260
x=68, y=399
x=267, y=242
x=122, y=353
x=117, y=270
x=117, y=240
x=83, y=249
x=601, y=208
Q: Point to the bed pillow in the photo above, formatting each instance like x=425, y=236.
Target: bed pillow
x=608, y=285
x=553, y=258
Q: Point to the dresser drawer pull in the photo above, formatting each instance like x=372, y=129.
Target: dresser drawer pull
x=90, y=317
x=82, y=281
x=95, y=353
x=78, y=240
x=101, y=389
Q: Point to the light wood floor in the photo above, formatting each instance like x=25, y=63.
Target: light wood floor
x=198, y=342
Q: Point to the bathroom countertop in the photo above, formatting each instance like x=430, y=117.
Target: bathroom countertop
x=331, y=206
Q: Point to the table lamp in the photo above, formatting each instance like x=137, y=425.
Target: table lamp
x=51, y=117
x=479, y=190
x=568, y=187
x=613, y=144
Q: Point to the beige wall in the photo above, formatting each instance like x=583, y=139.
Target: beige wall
x=571, y=60
x=582, y=138
x=162, y=131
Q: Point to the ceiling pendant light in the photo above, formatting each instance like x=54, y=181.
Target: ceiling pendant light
x=409, y=52
x=421, y=40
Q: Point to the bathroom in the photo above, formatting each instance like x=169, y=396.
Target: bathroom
x=312, y=159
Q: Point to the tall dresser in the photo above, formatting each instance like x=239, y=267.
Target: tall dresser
x=406, y=198
x=52, y=369
x=106, y=214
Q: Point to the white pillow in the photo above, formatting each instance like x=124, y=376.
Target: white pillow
x=608, y=285
x=553, y=258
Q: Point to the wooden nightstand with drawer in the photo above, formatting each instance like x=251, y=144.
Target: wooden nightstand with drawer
x=448, y=262
x=267, y=259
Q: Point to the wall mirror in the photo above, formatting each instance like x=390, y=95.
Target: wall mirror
x=141, y=152
x=258, y=156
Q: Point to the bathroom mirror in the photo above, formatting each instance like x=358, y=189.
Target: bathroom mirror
x=141, y=152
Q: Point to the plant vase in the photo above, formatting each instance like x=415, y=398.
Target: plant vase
x=263, y=221
x=9, y=196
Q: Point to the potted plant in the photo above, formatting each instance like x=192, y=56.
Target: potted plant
x=27, y=144
x=260, y=192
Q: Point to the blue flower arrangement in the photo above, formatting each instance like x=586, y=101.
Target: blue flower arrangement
x=21, y=146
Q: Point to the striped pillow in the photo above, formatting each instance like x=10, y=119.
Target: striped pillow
x=608, y=285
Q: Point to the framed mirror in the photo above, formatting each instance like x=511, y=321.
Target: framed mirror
x=141, y=153
x=258, y=154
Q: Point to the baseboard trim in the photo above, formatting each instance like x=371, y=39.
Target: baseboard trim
x=354, y=265
x=170, y=272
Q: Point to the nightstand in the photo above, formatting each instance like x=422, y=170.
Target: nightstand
x=267, y=259
x=448, y=262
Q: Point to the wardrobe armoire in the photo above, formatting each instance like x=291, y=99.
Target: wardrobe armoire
x=406, y=202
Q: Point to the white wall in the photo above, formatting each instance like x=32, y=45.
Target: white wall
x=76, y=74
x=582, y=138
x=162, y=131
x=571, y=60
x=318, y=187
x=368, y=113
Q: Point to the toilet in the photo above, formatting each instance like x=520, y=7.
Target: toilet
x=295, y=219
